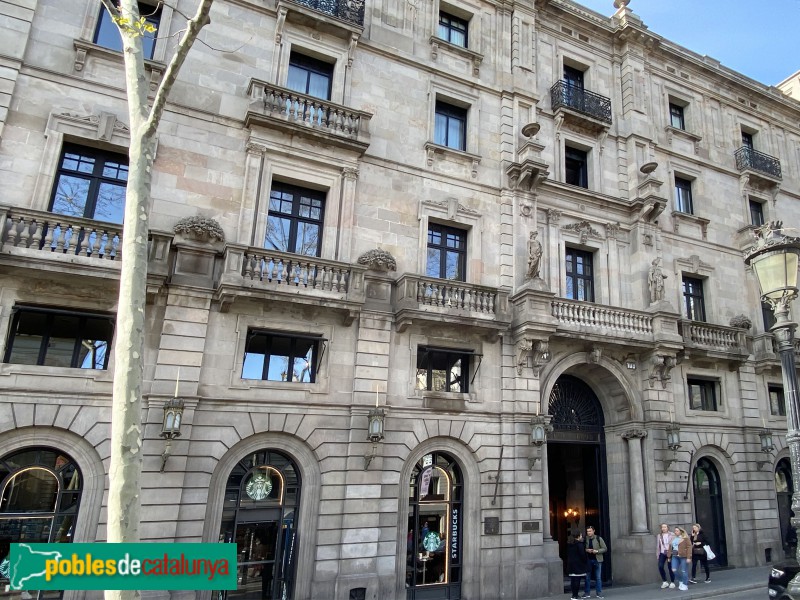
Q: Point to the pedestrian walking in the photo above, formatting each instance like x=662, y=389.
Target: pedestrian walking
x=663, y=541
x=595, y=549
x=681, y=556
x=577, y=564
x=699, y=552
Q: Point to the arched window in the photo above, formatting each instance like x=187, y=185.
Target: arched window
x=434, y=539
x=262, y=497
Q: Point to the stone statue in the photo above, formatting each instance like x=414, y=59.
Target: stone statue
x=655, y=281
x=534, y=256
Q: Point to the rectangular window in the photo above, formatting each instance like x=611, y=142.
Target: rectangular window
x=777, y=403
x=443, y=370
x=295, y=219
x=106, y=34
x=747, y=140
x=676, y=116
x=702, y=394
x=683, y=196
x=447, y=252
x=693, y=301
x=281, y=357
x=573, y=77
x=576, y=167
x=451, y=126
x=59, y=338
x=309, y=76
x=756, y=213
x=90, y=183
x=453, y=29
x=580, y=275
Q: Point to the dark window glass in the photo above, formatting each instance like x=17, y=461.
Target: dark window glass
x=576, y=167
x=280, y=357
x=309, y=76
x=580, y=275
x=451, y=126
x=756, y=213
x=447, y=252
x=683, y=196
x=768, y=315
x=442, y=370
x=573, y=77
x=107, y=34
x=693, y=301
x=777, y=403
x=676, y=117
x=295, y=219
x=702, y=394
x=57, y=338
x=747, y=140
x=453, y=29
x=90, y=183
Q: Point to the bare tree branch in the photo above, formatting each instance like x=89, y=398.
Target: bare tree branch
x=112, y=8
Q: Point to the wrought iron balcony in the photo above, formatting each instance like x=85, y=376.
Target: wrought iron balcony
x=351, y=11
x=564, y=95
x=288, y=110
x=420, y=298
x=268, y=274
x=748, y=159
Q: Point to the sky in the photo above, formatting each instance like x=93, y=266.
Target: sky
x=757, y=38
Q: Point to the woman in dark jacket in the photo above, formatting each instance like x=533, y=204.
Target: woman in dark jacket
x=698, y=552
x=577, y=564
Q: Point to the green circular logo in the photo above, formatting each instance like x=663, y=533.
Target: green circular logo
x=431, y=542
x=258, y=487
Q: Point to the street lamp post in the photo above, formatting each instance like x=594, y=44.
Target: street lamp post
x=774, y=258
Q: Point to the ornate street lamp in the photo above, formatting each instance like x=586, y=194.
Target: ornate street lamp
x=171, y=426
x=774, y=258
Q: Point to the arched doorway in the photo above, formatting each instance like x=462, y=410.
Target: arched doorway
x=576, y=465
x=259, y=515
x=709, y=508
x=433, y=538
x=40, y=493
x=784, y=488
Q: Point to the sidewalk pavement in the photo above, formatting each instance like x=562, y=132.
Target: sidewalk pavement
x=724, y=581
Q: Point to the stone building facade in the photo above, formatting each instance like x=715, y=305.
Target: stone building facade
x=377, y=171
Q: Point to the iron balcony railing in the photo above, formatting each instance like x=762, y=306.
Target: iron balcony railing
x=749, y=159
x=564, y=95
x=351, y=11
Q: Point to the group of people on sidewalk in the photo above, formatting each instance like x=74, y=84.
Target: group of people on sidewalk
x=675, y=549
x=678, y=550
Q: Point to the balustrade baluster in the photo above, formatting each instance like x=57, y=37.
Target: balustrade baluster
x=36, y=239
x=249, y=266
x=421, y=292
x=59, y=242
x=48, y=240
x=81, y=242
x=24, y=234
x=492, y=299
x=11, y=238
x=69, y=239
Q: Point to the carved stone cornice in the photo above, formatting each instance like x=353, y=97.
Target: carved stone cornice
x=634, y=434
x=584, y=229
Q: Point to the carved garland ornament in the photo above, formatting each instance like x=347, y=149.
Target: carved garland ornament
x=378, y=260
x=200, y=228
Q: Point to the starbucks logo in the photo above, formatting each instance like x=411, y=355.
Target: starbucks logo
x=258, y=487
x=431, y=542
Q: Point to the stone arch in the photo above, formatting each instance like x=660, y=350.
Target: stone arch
x=620, y=400
x=464, y=456
x=307, y=463
x=91, y=465
x=724, y=465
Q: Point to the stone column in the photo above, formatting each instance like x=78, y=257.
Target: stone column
x=638, y=504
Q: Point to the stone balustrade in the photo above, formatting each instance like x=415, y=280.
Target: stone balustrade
x=48, y=233
x=715, y=337
x=574, y=313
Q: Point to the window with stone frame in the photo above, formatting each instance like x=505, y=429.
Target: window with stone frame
x=106, y=33
x=702, y=394
x=756, y=212
x=579, y=275
x=694, y=299
x=90, y=183
x=450, y=126
x=54, y=337
x=683, y=196
x=777, y=402
x=677, y=118
x=453, y=29
x=576, y=167
x=281, y=356
x=447, y=252
x=310, y=76
x=295, y=219
x=443, y=369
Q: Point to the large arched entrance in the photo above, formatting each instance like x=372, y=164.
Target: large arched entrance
x=259, y=515
x=784, y=488
x=709, y=508
x=40, y=493
x=576, y=464
x=434, y=540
